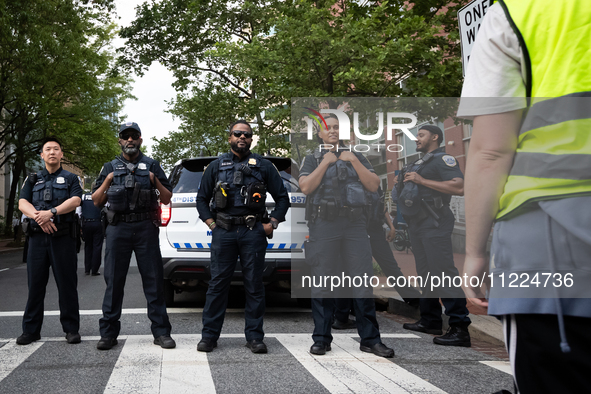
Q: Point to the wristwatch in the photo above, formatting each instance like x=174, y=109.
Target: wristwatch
x=53, y=211
x=274, y=224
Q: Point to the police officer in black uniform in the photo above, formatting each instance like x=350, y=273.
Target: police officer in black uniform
x=92, y=230
x=238, y=182
x=132, y=184
x=49, y=199
x=425, y=188
x=337, y=185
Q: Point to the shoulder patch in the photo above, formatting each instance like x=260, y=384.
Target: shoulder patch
x=449, y=160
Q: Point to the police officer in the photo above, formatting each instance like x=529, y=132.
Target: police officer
x=92, y=230
x=337, y=184
x=132, y=184
x=49, y=199
x=382, y=253
x=425, y=188
x=238, y=181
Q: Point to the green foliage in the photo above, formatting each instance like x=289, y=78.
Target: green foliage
x=57, y=78
x=248, y=59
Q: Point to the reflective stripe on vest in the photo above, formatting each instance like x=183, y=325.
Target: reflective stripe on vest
x=553, y=156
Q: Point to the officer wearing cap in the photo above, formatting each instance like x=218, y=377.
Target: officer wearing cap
x=424, y=189
x=49, y=199
x=238, y=182
x=92, y=230
x=132, y=184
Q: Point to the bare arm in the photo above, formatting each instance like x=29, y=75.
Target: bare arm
x=492, y=149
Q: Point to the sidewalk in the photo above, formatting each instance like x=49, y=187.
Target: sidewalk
x=483, y=327
x=4, y=248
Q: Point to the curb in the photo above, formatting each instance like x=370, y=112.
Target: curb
x=8, y=250
x=485, y=328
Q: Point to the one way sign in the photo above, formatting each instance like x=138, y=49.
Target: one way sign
x=469, y=18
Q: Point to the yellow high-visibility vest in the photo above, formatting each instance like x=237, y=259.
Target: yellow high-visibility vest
x=553, y=157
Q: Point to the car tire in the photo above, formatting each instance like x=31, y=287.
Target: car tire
x=399, y=242
x=169, y=293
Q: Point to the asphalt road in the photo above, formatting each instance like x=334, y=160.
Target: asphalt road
x=136, y=365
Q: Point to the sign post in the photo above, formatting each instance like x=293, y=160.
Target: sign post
x=469, y=19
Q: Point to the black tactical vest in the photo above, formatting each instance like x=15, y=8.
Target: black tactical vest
x=341, y=184
x=123, y=194
x=237, y=184
x=48, y=193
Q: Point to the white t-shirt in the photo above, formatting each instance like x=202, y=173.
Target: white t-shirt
x=494, y=80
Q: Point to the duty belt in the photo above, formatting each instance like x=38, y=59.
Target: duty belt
x=91, y=220
x=134, y=217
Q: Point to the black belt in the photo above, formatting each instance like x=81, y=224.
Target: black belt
x=91, y=220
x=134, y=217
x=242, y=219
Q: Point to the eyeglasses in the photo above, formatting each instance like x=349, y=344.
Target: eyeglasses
x=238, y=134
x=334, y=127
x=134, y=135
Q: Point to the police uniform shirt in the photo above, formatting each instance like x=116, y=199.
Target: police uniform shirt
x=440, y=168
x=270, y=175
x=88, y=210
x=154, y=166
x=59, y=177
x=310, y=163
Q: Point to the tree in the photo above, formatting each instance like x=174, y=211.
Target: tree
x=263, y=53
x=56, y=78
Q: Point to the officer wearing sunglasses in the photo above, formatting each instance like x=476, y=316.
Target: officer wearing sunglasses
x=236, y=184
x=132, y=184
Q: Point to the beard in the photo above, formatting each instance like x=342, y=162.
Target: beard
x=235, y=148
x=130, y=150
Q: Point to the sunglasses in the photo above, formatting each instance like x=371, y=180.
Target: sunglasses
x=134, y=135
x=238, y=134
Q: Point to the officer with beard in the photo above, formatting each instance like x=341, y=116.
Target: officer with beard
x=238, y=182
x=132, y=184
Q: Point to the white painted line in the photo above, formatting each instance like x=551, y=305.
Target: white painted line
x=4, y=269
x=138, y=368
x=184, y=369
x=383, y=372
x=12, y=355
x=144, y=311
x=504, y=366
x=345, y=369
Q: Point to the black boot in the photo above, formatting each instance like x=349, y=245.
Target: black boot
x=455, y=336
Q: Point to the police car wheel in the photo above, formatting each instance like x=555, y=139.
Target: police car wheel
x=399, y=242
x=168, y=293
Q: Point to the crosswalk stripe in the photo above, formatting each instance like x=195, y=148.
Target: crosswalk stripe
x=12, y=355
x=504, y=366
x=345, y=369
x=137, y=368
x=144, y=311
x=185, y=370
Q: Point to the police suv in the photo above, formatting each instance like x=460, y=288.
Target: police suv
x=185, y=240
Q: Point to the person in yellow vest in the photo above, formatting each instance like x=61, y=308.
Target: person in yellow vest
x=529, y=169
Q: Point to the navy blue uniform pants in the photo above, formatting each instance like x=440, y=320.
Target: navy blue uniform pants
x=142, y=239
x=342, y=246
x=226, y=247
x=432, y=248
x=382, y=253
x=93, y=245
x=59, y=253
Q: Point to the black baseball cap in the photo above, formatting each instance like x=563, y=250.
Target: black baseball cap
x=433, y=130
x=129, y=125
